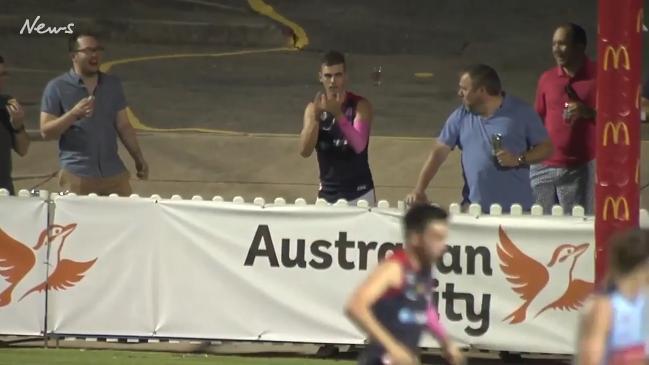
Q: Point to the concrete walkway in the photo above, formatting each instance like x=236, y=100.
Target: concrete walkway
x=261, y=166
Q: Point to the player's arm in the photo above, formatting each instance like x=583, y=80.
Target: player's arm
x=436, y=328
x=594, y=329
x=309, y=134
x=358, y=133
x=386, y=276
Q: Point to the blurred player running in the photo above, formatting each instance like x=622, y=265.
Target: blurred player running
x=612, y=329
x=394, y=305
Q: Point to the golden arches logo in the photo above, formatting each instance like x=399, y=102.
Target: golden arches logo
x=616, y=204
x=616, y=54
x=616, y=127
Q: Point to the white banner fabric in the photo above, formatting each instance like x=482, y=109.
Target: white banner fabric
x=111, y=271
x=23, y=253
x=197, y=269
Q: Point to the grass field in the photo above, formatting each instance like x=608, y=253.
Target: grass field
x=30, y=356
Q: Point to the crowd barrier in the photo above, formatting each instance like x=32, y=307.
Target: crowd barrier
x=212, y=269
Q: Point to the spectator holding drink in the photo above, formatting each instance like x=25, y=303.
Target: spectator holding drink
x=565, y=100
x=85, y=109
x=499, y=135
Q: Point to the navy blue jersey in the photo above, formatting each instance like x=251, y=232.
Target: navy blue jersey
x=402, y=311
x=344, y=174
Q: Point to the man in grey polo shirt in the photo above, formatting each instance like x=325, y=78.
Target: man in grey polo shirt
x=86, y=110
x=491, y=175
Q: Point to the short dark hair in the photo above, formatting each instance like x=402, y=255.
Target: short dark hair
x=577, y=34
x=484, y=76
x=73, y=40
x=2, y=60
x=332, y=58
x=628, y=251
x=419, y=216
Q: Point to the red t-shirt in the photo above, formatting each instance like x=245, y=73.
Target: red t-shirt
x=573, y=145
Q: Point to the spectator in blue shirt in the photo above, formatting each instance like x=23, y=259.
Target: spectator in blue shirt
x=85, y=109
x=493, y=172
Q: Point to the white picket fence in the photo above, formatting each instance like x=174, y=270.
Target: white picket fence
x=454, y=208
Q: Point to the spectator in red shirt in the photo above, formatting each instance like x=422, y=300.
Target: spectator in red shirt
x=565, y=100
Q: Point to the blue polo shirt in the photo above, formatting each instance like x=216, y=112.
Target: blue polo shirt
x=486, y=183
x=89, y=147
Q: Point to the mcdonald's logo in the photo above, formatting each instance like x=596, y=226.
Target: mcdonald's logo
x=639, y=20
x=616, y=127
x=616, y=54
x=616, y=204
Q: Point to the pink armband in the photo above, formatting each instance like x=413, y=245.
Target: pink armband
x=357, y=134
x=434, y=325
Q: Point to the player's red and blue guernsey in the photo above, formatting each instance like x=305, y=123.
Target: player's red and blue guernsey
x=344, y=174
x=403, y=311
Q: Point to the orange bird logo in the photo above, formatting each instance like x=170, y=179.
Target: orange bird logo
x=17, y=260
x=530, y=278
